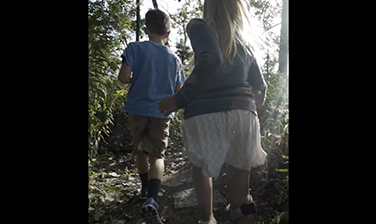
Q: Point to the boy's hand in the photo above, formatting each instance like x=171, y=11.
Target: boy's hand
x=167, y=105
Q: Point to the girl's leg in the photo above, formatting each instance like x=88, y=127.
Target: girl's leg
x=204, y=193
x=237, y=192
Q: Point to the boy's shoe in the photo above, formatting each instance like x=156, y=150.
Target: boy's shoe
x=144, y=193
x=149, y=212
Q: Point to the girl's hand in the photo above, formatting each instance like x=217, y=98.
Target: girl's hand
x=167, y=105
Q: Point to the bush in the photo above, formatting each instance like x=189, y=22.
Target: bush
x=274, y=119
x=108, y=22
x=273, y=188
x=176, y=127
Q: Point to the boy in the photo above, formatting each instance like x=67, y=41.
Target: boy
x=157, y=72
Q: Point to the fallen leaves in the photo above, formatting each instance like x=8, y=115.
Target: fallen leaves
x=113, y=174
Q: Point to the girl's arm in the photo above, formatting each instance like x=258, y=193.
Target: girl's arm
x=208, y=60
x=259, y=96
x=256, y=80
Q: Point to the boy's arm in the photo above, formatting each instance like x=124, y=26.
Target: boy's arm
x=128, y=63
x=177, y=88
x=180, y=77
x=125, y=73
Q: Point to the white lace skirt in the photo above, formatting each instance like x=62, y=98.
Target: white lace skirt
x=231, y=137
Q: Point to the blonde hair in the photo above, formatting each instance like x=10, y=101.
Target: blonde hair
x=228, y=20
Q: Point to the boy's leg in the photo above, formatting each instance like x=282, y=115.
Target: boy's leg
x=151, y=138
x=204, y=193
x=156, y=144
x=143, y=168
x=156, y=168
x=155, y=176
x=158, y=131
x=142, y=162
x=237, y=191
x=138, y=128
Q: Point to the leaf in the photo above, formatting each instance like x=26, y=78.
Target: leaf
x=101, y=115
x=282, y=170
x=113, y=174
x=285, y=157
x=113, y=189
x=121, y=92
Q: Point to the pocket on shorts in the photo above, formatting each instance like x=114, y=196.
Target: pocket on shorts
x=158, y=133
x=137, y=125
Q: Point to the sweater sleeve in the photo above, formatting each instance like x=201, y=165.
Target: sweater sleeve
x=208, y=60
x=257, y=81
x=255, y=78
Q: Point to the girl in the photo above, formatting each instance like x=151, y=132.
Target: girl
x=220, y=98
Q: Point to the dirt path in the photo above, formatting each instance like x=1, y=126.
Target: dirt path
x=114, y=187
x=177, y=200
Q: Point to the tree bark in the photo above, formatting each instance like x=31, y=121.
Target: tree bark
x=184, y=45
x=137, y=20
x=284, y=40
x=155, y=4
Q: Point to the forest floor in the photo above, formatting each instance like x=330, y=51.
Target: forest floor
x=115, y=184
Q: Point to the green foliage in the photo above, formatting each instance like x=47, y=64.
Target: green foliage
x=176, y=127
x=274, y=119
x=274, y=124
x=271, y=62
x=276, y=208
x=180, y=20
x=269, y=14
x=104, y=102
x=184, y=52
x=274, y=217
x=267, y=11
x=108, y=22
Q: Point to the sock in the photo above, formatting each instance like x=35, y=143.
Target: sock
x=144, y=179
x=153, y=189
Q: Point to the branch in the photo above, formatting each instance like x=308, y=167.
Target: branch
x=272, y=27
x=138, y=20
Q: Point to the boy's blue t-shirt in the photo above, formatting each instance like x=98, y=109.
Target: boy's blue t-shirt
x=156, y=72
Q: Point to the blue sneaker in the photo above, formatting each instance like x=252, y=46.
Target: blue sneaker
x=149, y=212
x=144, y=193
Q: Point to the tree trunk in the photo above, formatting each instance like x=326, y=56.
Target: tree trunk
x=137, y=20
x=283, y=46
x=155, y=4
x=184, y=45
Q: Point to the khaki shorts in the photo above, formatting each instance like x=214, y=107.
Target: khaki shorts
x=150, y=134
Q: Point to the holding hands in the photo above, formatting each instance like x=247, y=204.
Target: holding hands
x=167, y=105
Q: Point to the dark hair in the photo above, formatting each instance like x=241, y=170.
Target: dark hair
x=157, y=22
